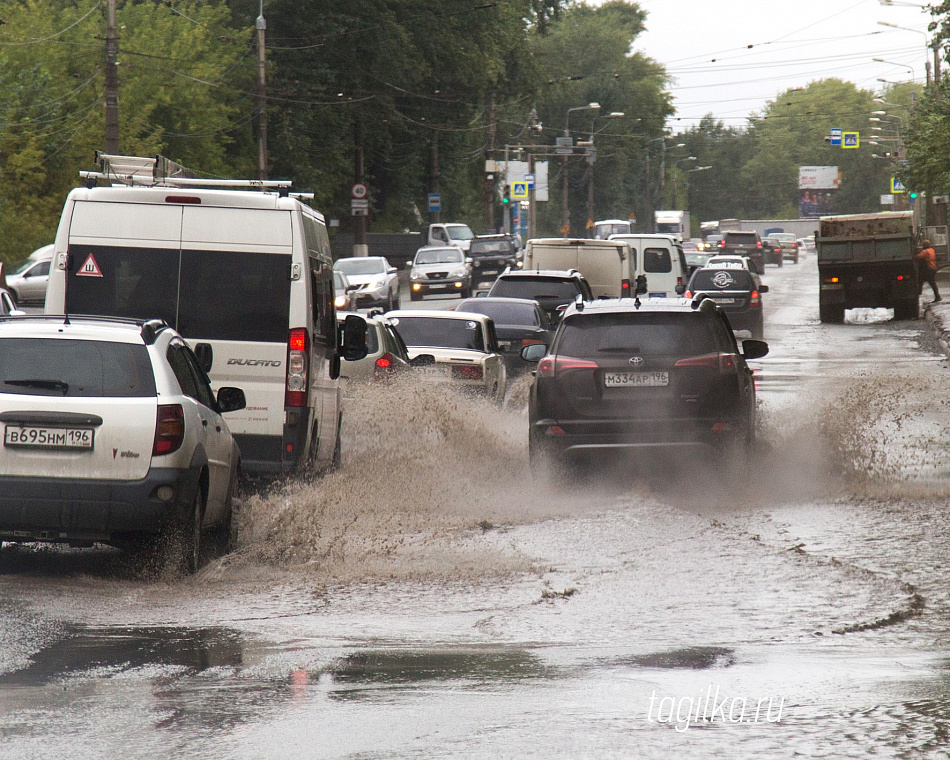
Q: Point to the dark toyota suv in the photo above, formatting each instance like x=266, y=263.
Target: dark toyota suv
x=663, y=374
x=554, y=289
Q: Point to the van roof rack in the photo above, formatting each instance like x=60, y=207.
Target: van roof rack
x=158, y=171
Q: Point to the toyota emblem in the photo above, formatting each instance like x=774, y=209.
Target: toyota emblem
x=636, y=361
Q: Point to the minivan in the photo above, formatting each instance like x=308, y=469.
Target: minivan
x=246, y=276
x=610, y=266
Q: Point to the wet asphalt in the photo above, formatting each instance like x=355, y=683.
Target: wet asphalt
x=433, y=599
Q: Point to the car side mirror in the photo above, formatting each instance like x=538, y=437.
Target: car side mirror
x=482, y=294
x=423, y=360
x=754, y=349
x=354, y=338
x=764, y=289
x=230, y=400
x=409, y=265
x=641, y=284
x=391, y=270
x=352, y=288
x=205, y=356
x=534, y=352
x=468, y=259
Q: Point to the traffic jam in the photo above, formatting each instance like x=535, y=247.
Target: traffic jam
x=635, y=450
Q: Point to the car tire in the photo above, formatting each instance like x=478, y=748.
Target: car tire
x=466, y=292
x=909, y=308
x=831, y=314
x=337, y=462
x=228, y=532
x=187, y=536
x=394, y=301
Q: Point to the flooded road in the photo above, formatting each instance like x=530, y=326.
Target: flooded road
x=432, y=599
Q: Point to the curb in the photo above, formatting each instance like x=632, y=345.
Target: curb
x=936, y=322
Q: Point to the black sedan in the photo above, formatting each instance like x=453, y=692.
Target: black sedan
x=519, y=322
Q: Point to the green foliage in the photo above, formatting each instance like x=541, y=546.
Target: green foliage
x=181, y=94
x=756, y=169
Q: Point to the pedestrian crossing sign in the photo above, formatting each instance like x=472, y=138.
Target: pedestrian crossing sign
x=519, y=189
x=850, y=139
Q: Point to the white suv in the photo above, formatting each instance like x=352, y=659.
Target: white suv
x=111, y=434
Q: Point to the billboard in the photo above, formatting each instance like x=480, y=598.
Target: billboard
x=818, y=178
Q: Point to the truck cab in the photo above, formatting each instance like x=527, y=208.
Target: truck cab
x=450, y=233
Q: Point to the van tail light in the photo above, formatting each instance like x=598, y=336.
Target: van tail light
x=298, y=368
x=625, y=288
x=754, y=298
x=466, y=372
x=725, y=364
x=550, y=366
x=385, y=366
x=169, y=429
x=758, y=243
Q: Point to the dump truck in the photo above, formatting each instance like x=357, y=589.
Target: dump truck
x=867, y=260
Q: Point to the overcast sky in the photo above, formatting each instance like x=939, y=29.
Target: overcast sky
x=704, y=45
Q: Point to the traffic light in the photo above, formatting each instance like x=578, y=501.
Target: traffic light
x=912, y=196
x=506, y=197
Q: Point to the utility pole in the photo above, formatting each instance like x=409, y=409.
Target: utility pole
x=649, y=193
x=112, y=81
x=360, y=246
x=261, y=95
x=488, y=190
x=436, y=215
x=565, y=219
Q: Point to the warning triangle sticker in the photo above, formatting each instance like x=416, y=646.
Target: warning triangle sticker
x=89, y=268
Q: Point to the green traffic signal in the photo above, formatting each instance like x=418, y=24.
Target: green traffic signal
x=506, y=198
x=913, y=195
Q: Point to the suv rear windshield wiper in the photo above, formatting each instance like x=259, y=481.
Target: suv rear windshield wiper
x=49, y=385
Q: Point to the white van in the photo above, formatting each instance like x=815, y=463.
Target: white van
x=245, y=276
x=613, y=266
x=662, y=260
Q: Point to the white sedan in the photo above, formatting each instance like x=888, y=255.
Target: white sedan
x=463, y=347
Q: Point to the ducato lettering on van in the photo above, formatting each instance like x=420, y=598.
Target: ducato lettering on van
x=254, y=362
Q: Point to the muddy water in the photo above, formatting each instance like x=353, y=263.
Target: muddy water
x=432, y=599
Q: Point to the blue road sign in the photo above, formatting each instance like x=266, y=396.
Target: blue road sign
x=850, y=140
x=835, y=136
x=519, y=190
x=529, y=178
x=435, y=202
x=897, y=186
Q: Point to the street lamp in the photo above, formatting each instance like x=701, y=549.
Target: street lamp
x=591, y=158
x=913, y=73
x=675, y=167
x=565, y=224
x=927, y=43
x=688, y=172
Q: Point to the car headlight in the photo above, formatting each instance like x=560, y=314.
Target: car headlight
x=460, y=272
x=339, y=302
x=414, y=275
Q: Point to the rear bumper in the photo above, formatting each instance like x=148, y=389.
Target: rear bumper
x=69, y=509
x=699, y=435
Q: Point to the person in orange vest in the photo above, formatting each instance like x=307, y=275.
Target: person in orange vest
x=927, y=259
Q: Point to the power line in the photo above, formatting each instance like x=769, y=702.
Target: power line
x=57, y=34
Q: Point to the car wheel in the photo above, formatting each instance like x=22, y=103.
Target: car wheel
x=189, y=535
x=832, y=314
x=394, y=301
x=337, y=461
x=228, y=531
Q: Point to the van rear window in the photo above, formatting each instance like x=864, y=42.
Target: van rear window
x=225, y=295
x=234, y=296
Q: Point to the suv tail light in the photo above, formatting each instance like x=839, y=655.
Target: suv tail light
x=758, y=243
x=466, y=372
x=385, y=366
x=298, y=367
x=550, y=366
x=169, y=429
x=724, y=363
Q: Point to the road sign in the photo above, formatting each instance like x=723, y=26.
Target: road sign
x=529, y=178
x=835, y=136
x=887, y=200
x=359, y=190
x=359, y=207
x=850, y=139
x=435, y=202
x=565, y=146
x=897, y=186
x=519, y=189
